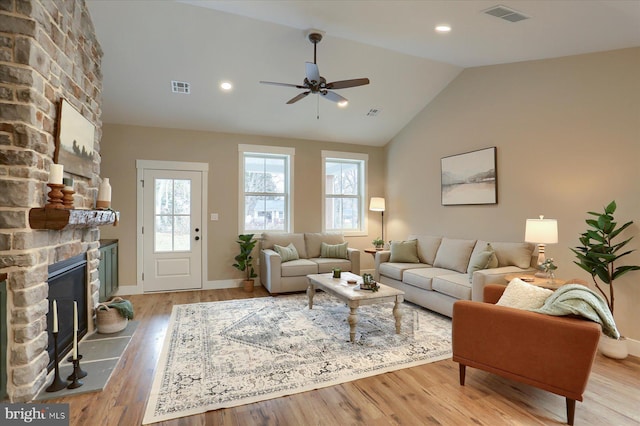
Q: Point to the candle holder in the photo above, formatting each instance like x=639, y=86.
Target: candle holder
x=77, y=373
x=55, y=196
x=58, y=383
x=67, y=198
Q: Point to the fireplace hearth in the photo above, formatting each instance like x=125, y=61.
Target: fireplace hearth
x=67, y=283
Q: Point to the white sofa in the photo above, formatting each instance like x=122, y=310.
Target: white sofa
x=283, y=277
x=441, y=273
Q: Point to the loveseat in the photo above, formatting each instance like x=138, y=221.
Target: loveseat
x=435, y=272
x=551, y=353
x=315, y=253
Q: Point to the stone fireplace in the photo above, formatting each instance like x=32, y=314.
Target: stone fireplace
x=48, y=51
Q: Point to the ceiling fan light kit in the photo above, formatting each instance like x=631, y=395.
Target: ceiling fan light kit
x=315, y=83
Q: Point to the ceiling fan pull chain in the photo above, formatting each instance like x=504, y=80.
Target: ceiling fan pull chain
x=317, y=107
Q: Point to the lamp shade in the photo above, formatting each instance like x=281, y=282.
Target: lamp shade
x=541, y=231
x=376, y=204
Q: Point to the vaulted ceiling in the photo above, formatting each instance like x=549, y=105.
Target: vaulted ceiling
x=147, y=44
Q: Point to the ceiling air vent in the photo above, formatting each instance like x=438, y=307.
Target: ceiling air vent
x=373, y=112
x=505, y=13
x=180, y=87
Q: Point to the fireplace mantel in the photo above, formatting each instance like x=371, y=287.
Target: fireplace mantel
x=59, y=219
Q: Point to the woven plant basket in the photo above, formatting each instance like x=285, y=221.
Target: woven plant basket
x=109, y=319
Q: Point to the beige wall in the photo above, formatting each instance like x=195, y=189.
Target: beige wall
x=122, y=145
x=567, y=133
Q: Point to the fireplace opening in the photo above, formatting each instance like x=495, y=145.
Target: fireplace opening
x=67, y=283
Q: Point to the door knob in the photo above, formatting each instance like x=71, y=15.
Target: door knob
x=197, y=229
x=197, y=238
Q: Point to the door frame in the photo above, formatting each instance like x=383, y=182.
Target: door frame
x=141, y=166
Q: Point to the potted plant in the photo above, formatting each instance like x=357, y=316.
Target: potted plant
x=598, y=255
x=244, y=260
x=378, y=243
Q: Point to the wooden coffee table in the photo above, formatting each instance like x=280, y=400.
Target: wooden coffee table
x=354, y=297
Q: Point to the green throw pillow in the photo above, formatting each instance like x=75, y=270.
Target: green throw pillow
x=404, y=252
x=334, y=251
x=482, y=260
x=287, y=253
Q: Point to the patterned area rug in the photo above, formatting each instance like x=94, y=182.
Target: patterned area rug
x=225, y=354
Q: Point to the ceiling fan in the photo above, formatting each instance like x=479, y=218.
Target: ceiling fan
x=315, y=83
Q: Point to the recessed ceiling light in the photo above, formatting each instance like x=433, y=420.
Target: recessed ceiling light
x=226, y=86
x=443, y=28
x=343, y=104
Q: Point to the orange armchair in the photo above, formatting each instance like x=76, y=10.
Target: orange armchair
x=551, y=353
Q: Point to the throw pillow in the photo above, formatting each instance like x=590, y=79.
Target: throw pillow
x=404, y=252
x=521, y=295
x=334, y=251
x=482, y=260
x=287, y=253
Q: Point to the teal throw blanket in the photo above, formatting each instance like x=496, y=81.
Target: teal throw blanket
x=579, y=300
x=124, y=307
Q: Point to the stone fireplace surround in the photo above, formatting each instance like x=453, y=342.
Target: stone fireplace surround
x=48, y=51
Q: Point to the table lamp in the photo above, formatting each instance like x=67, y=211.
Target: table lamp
x=377, y=205
x=541, y=231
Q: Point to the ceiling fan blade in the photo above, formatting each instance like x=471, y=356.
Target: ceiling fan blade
x=312, y=71
x=297, y=98
x=283, y=84
x=333, y=97
x=343, y=84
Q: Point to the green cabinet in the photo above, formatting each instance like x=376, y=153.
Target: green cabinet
x=108, y=269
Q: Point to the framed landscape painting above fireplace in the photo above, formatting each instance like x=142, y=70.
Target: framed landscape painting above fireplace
x=74, y=145
x=469, y=178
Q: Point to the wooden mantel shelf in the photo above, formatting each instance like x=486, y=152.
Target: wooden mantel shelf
x=59, y=219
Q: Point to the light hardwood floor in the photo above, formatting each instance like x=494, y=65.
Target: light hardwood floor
x=424, y=395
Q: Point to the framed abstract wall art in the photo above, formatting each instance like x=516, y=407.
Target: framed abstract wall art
x=74, y=145
x=469, y=178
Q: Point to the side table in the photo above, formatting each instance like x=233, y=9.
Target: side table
x=537, y=281
x=372, y=252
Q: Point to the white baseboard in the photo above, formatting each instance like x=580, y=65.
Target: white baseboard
x=634, y=347
x=220, y=284
x=128, y=290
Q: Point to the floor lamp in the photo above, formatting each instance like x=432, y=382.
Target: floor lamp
x=377, y=205
x=541, y=231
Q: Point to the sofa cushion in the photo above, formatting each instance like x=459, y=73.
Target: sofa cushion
x=335, y=251
x=427, y=247
x=404, y=252
x=284, y=239
x=521, y=295
x=510, y=254
x=454, y=254
x=482, y=260
x=297, y=268
x=287, y=253
x=314, y=240
x=422, y=277
x=327, y=264
x=396, y=270
x=454, y=285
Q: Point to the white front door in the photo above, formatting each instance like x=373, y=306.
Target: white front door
x=172, y=230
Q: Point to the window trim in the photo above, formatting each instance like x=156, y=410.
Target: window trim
x=266, y=150
x=364, y=217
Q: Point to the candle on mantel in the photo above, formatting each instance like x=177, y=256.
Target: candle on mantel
x=55, y=316
x=55, y=174
x=75, y=330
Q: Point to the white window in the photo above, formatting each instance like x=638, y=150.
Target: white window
x=266, y=197
x=344, y=192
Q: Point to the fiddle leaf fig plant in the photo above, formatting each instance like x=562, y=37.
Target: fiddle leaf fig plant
x=244, y=260
x=599, y=254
